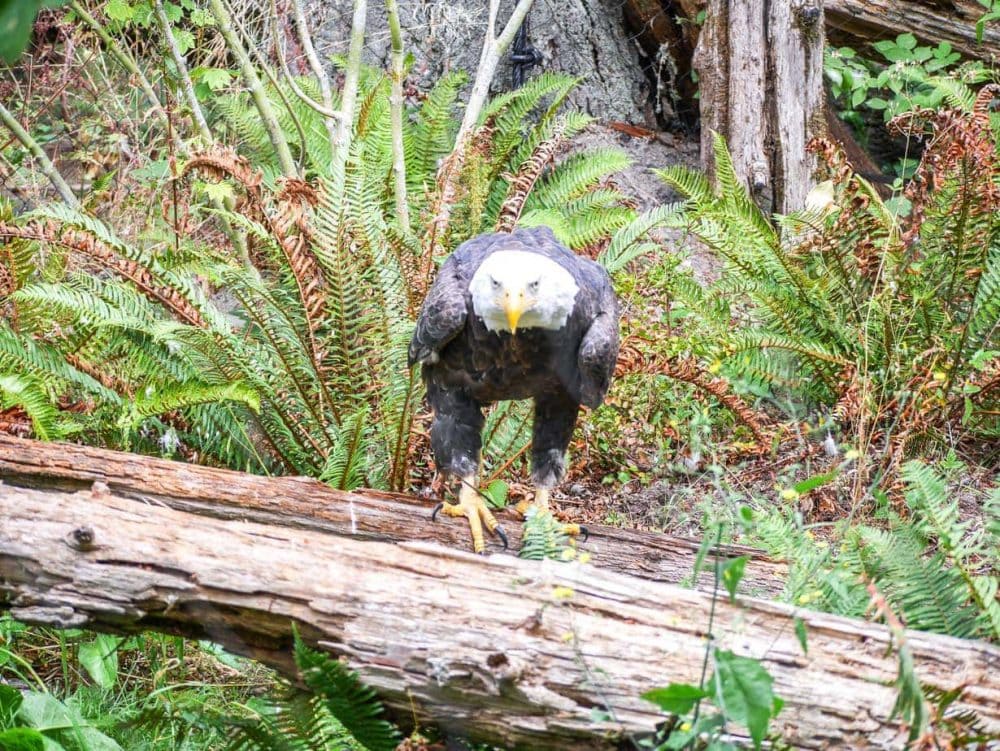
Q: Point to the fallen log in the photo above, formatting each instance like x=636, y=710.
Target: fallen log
x=854, y=21
x=368, y=514
x=513, y=652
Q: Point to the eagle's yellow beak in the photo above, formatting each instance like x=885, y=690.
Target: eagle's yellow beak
x=514, y=309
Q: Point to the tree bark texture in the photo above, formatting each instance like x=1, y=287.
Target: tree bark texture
x=760, y=68
x=517, y=653
x=367, y=515
x=584, y=38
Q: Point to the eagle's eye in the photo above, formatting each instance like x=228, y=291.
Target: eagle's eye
x=533, y=286
x=495, y=283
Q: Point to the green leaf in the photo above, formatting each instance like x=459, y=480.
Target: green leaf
x=496, y=493
x=743, y=689
x=22, y=739
x=732, y=574
x=801, y=634
x=906, y=41
x=119, y=10
x=215, y=79
x=677, y=698
x=100, y=659
x=184, y=39
x=17, y=17
x=814, y=482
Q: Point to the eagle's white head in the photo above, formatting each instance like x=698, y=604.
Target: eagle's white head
x=515, y=289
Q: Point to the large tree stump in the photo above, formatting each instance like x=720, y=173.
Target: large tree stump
x=514, y=652
x=760, y=69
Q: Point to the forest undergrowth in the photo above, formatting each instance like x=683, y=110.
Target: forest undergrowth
x=199, y=261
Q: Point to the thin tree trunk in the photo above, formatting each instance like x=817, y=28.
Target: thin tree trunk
x=494, y=48
x=348, y=95
x=187, y=87
x=517, y=653
x=396, y=114
x=45, y=165
x=256, y=87
x=326, y=90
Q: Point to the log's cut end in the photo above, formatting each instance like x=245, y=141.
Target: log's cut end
x=518, y=653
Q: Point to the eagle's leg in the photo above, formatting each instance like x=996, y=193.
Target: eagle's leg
x=472, y=506
x=555, y=420
x=456, y=443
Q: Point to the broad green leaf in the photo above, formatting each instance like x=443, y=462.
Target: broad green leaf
x=743, y=689
x=677, y=698
x=10, y=702
x=119, y=10
x=100, y=659
x=496, y=493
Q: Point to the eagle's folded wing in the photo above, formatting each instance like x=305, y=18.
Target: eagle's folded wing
x=442, y=315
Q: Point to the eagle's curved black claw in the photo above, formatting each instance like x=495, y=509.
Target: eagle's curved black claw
x=584, y=533
x=437, y=508
x=503, y=537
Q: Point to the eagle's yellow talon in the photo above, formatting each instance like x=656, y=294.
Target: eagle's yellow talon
x=472, y=506
x=541, y=502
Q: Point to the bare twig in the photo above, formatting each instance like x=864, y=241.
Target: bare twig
x=326, y=90
x=493, y=49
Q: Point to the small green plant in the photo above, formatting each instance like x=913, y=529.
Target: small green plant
x=38, y=721
x=740, y=689
x=910, y=76
x=327, y=708
x=937, y=572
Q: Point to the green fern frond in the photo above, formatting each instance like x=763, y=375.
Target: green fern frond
x=28, y=394
x=543, y=537
x=158, y=400
x=339, y=691
x=345, y=466
x=625, y=245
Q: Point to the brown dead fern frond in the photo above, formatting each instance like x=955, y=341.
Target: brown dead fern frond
x=632, y=361
x=101, y=375
x=294, y=200
x=48, y=231
x=524, y=181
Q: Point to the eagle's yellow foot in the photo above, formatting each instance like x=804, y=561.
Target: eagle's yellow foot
x=541, y=502
x=472, y=506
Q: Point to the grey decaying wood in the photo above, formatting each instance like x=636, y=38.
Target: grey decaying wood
x=953, y=22
x=370, y=515
x=760, y=70
x=509, y=651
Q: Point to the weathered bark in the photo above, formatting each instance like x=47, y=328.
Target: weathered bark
x=953, y=21
x=367, y=515
x=509, y=651
x=760, y=69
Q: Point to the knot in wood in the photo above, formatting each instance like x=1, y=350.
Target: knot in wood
x=808, y=13
x=82, y=538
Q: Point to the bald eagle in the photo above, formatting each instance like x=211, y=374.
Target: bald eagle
x=513, y=316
